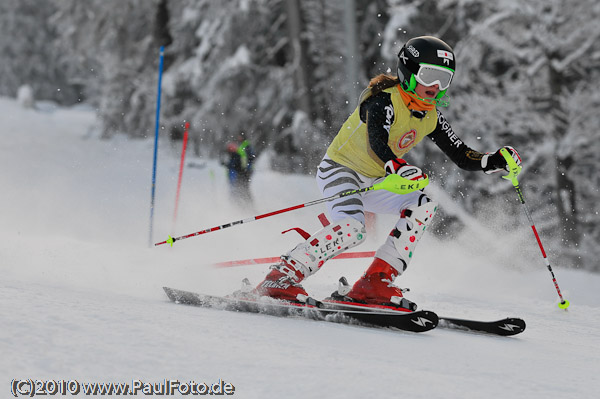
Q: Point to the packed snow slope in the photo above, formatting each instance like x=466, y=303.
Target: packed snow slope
x=81, y=288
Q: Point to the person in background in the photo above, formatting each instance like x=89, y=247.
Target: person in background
x=232, y=162
x=247, y=158
x=239, y=163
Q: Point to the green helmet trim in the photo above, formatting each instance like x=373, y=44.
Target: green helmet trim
x=438, y=100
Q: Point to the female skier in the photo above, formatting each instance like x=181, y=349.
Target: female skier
x=393, y=116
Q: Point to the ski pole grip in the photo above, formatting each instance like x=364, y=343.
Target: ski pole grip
x=400, y=185
x=513, y=168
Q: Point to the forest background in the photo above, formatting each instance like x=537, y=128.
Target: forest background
x=287, y=73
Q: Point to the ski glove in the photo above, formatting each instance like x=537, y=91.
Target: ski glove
x=400, y=167
x=492, y=163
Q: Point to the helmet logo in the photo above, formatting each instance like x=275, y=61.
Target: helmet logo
x=413, y=51
x=403, y=57
x=446, y=55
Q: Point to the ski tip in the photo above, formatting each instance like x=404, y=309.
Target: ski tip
x=512, y=326
x=423, y=320
x=504, y=327
x=564, y=304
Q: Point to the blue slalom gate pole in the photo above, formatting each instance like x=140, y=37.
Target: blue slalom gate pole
x=160, y=70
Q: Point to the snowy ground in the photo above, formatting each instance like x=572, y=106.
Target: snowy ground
x=81, y=297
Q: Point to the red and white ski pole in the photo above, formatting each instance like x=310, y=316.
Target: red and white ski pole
x=273, y=259
x=514, y=170
x=393, y=183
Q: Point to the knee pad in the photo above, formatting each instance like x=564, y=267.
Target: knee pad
x=418, y=219
x=399, y=246
x=330, y=241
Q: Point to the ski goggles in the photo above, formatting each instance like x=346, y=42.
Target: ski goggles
x=430, y=75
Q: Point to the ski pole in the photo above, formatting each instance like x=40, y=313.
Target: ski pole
x=258, y=261
x=393, y=183
x=514, y=171
x=153, y=190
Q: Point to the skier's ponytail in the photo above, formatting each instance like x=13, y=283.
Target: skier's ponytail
x=382, y=82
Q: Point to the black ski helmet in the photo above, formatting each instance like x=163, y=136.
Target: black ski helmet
x=420, y=53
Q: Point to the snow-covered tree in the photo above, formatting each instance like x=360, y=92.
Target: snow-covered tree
x=114, y=44
x=29, y=54
x=525, y=74
x=277, y=71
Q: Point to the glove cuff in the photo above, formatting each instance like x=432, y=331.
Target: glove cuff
x=484, y=161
